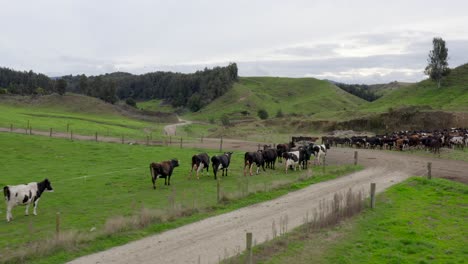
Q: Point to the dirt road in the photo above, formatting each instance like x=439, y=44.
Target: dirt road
x=170, y=130
x=222, y=236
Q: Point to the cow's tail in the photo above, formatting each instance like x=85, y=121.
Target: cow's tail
x=6, y=192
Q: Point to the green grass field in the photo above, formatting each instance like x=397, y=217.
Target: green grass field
x=83, y=115
x=417, y=221
x=156, y=105
x=98, y=182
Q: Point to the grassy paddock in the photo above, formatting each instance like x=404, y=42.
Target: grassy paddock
x=417, y=221
x=103, y=189
x=83, y=115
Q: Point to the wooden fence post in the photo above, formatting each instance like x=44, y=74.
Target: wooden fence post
x=57, y=225
x=147, y=140
x=11, y=127
x=30, y=130
x=355, y=157
x=249, y=247
x=71, y=134
x=95, y=136
x=201, y=138
x=122, y=139
x=218, y=187
x=221, y=144
x=372, y=195
x=429, y=170
x=68, y=127
x=50, y=133
x=324, y=161
x=170, y=140
x=180, y=142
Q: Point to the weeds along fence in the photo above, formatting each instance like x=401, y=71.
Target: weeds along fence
x=329, y=213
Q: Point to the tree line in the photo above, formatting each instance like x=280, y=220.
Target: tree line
x=360, y=90
x=28, y=83
x=194, y=90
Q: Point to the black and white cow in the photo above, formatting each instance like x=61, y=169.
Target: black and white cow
x=25, y=194
x=319, y=152
x=200, y=162
x=292, y=160
x=251, y=158
x=221, y=162
x=164, y=170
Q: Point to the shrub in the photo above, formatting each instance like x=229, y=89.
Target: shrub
x=3, y=91
x=279, y=114
x=263, y=114
x=131, y=102
x=225, y=120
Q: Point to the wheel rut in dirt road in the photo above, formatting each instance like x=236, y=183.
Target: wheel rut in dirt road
x=222, y=236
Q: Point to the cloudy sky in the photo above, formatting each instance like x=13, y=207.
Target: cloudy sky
x=350, y=41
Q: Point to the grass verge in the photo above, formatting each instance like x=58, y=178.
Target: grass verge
x=417, y=221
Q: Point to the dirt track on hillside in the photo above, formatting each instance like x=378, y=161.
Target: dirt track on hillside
x=222, y=236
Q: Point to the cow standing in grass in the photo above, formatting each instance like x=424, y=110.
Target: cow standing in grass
x=291, y=160
x=221, y=162
x=25, y=194
x=270, y=155
x=200, y=162
x=164, y=170
x=251, y=158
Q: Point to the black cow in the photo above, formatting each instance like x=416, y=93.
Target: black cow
x=200, y=162
x=282, y=148
x=253, y=157
x=163, y=170
x=270, y=155
x=221, y=162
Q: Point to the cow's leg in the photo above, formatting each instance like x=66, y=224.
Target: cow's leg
x=26, y=212
x=168, y=180
x=245, y=165
x=250, y=169
x=9, y=216
x=35, y=206
x=154, y=182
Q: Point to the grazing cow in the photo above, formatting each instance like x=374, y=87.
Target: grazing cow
x=25, y=194
x=292, y=160
x=253, y=157
x=270, y=155
x=221, y=162
x=200, y=162
x=282, y=148
x=319, y=152
x=164, y=170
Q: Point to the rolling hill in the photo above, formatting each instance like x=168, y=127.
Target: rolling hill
x=452, y=96
x=293, y=96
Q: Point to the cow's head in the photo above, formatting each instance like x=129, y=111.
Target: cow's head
x=174, y=163
x=48, y=186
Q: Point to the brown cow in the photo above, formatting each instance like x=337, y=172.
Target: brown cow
x=163, y=170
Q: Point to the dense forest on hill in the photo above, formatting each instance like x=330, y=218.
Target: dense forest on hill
x=23, y=82
x=360, y=90
x=193, y=90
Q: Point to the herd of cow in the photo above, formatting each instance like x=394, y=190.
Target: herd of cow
x=294, y=157
x=404, y=140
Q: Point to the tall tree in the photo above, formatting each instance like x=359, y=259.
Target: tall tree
x=437, y=62
x=61, y=86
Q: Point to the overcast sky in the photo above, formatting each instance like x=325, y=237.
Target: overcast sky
x=350, y=41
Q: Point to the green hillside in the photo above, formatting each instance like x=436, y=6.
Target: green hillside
x=293, y=96
x=452, y=96
x=82, y=114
